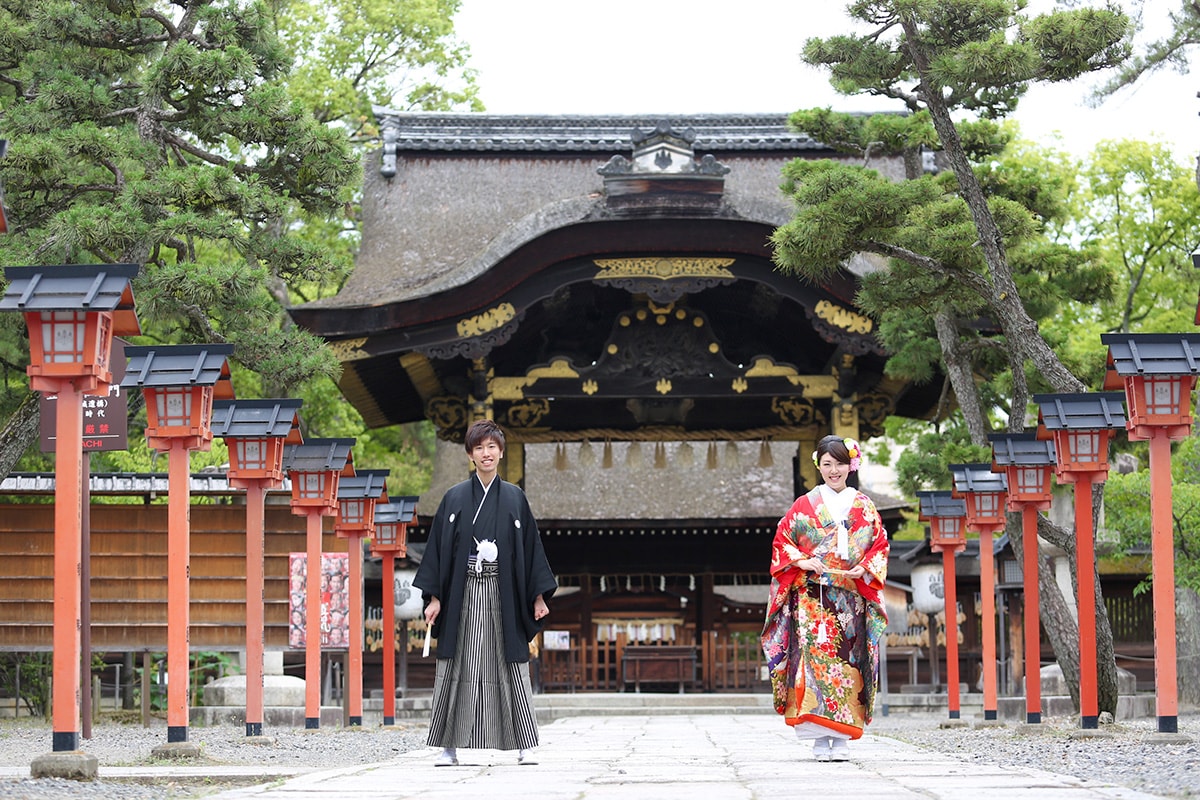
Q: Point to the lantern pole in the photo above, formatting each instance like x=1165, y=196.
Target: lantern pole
x=987, y=577
x=389, y=637
x=945, y=516
x=1033, y=622
x=179, y=382
x=178, y=585
x=984, y=491
x=255, y=431
x=1158, y=373
x=71, y=313
x=1026, y=462
x=315, y=468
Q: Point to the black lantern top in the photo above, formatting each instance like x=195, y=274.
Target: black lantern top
x=162, y=366
x=368, y=484
x=1151, y=354
x=402, y=510
x=941, y=504
x=977, y=478
x=1086, y=411
x=1021, y=450
x=75, y=287
x=318, y=455
x=257, y=419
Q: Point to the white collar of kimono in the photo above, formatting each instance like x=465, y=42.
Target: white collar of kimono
x=486, y=488
x=839, y=502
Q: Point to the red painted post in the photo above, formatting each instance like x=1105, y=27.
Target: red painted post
x=389, y=637
x=1162, y=545
x=1033, y=627
x=987, y=592
x=951, y=628
x=178, y=611
x=255, y=581
x=68, y=471
x=312, y=621
x=354, y=678
x=1085, y=568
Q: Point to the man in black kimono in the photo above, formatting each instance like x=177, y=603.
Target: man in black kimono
x=485, y=580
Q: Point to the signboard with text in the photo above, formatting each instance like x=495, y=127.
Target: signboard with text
x=105, y=417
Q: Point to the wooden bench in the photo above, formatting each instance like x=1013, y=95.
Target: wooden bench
x=658, y=664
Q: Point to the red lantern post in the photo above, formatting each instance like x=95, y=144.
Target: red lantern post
x=391, y=540
x=315, y=469
x=357, y=496
x=1025, y=462
x=179, y=383
x=1158, y=373
x=985, y=493
x=255, y=432
x=1081, y=426
x=72, y=313
x=945, y=516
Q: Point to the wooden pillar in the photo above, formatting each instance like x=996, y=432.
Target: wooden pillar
x=354, y=659
x=178, y=591
x=68, y=470
x=255, y=617
x=312, y=620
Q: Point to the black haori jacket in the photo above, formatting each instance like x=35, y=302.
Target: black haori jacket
x=524, y=571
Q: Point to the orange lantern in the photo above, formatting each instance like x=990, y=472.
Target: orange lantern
x=72, y=313
x=358, y=496
x=314, y=468
x=985, y=493
x=256, y=432
x=1158, y=373
x=1081, y=426
x=179, y=383
x=1026, y=462
x=945, y=516
x=391, y=526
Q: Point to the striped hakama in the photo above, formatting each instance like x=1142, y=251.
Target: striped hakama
x=480, y=700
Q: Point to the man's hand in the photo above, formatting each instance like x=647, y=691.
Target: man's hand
x=432, y=610
x=540, y=609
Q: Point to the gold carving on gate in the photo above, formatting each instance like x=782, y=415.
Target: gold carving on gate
x=739, y=385
x=843, y=318
x=489, y=320
x=528, y=413
x=590, y=387
x=663, y=386
x=812, y=385
x=505, y=388
x=663, y=268
x=349, y=349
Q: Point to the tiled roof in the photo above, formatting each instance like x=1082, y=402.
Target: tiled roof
x=406, y=131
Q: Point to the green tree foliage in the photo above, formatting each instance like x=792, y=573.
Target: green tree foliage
x=1128, y=513
x=176, y=136
x=352, y=56
x=1140, y=209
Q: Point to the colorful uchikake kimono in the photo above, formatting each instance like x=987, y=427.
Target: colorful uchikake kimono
x=821, y=636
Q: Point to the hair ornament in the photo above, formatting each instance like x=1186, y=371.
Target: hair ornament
x=853, y=449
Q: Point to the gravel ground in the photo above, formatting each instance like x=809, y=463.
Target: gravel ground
x=1127, y=758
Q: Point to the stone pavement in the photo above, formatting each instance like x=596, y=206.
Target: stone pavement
x=684, y=757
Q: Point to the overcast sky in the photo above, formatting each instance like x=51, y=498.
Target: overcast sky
x=664, y=56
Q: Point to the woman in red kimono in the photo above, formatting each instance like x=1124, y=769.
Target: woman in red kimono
x=825, y=615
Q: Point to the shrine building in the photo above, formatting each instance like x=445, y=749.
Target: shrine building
x=603, y=287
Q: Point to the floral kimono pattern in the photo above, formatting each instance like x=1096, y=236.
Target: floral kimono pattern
x=822, y=632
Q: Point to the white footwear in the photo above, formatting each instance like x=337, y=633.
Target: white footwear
x=839, y=749
x=821, y=748
x=448, y=758
x=527, y=757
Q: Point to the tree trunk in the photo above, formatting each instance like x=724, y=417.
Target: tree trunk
x=962, y=378
x=20, y=432
x=1187, y=656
